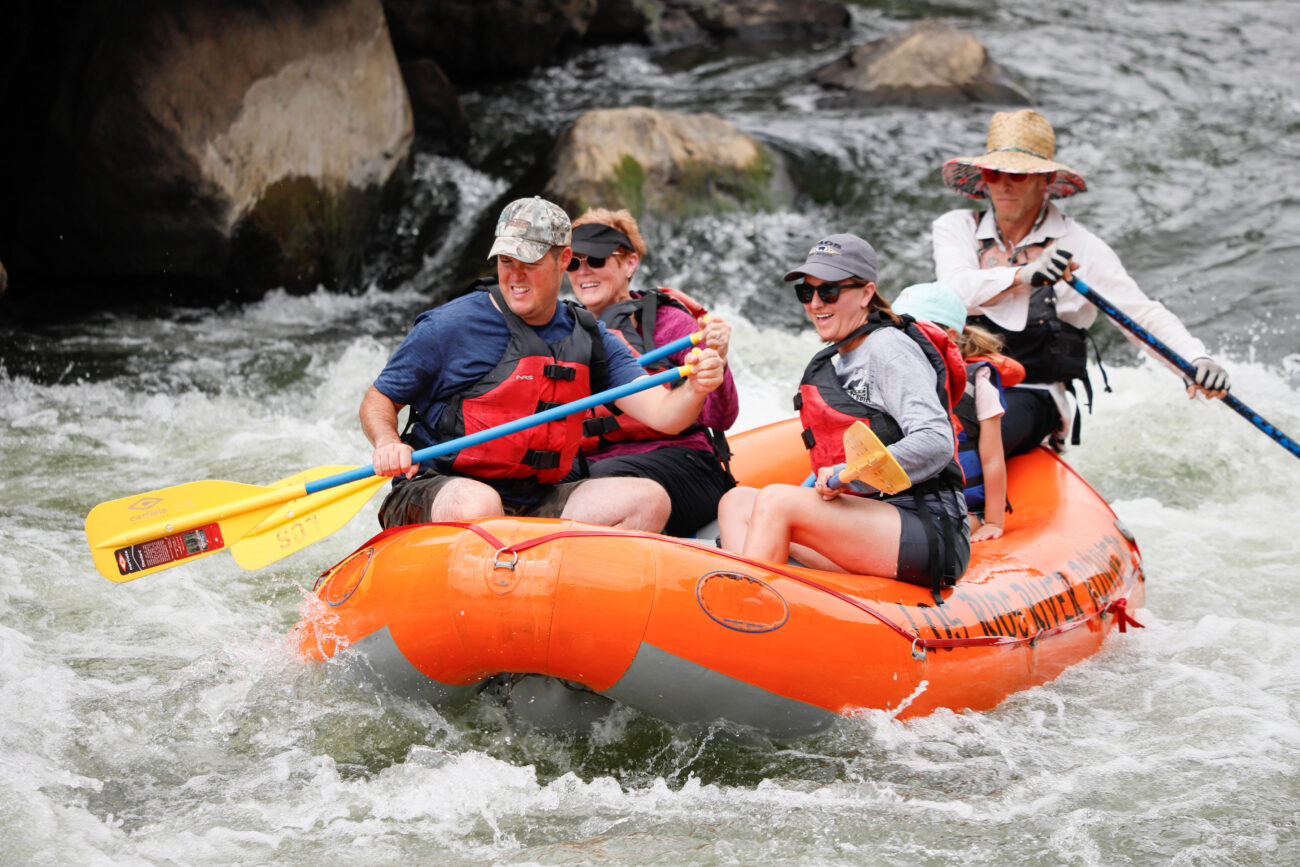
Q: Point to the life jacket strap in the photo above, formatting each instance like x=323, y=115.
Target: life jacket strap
x=600, y=425
x=541, y=459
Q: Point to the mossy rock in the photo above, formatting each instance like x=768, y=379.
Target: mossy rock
x=660, y=162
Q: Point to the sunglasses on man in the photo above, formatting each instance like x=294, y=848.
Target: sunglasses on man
x=595, y=262
x=828, y=292
x=993, y=176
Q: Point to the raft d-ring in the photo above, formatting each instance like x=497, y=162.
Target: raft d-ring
x=917, y=652
x=498, y=563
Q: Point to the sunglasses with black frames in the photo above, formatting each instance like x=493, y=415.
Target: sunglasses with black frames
x=828, y=292
x=596, y=262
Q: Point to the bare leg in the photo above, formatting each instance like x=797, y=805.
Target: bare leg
x=812, y=559
x=850, y=533
x=734, y=511
x=620, y=501
x=463, y=499
x=733, y=516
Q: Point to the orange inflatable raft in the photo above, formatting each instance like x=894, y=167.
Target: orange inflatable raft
x=560, y=614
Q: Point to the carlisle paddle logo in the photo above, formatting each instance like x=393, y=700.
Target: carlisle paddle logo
x=146, y=507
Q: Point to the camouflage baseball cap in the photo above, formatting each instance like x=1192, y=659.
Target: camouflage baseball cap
x=527, y=228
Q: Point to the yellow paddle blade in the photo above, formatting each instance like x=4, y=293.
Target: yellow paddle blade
x=869, y=461
x=148, y=532
x=304, y=521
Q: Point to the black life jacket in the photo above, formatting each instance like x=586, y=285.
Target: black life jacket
x=1050, y=349
x=531, y=376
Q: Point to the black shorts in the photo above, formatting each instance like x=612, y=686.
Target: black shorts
x=411, y=500
x=948, y=510
x=693, y=478
x=1031, y=416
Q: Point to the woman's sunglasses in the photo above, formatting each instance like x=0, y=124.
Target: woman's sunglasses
x=828, y=292
x=595, y=262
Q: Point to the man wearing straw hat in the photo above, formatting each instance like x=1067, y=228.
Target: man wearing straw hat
x=991, y=258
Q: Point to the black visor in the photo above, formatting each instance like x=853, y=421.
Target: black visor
x=597, y=239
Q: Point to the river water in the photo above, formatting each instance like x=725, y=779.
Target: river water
x=164, y=721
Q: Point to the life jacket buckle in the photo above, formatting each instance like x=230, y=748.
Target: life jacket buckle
x=559, y=371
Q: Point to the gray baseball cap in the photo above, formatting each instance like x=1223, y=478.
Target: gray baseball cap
x=527, y=228
x=838, y=257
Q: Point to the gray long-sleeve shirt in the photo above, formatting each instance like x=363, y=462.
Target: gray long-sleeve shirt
x=888, y=371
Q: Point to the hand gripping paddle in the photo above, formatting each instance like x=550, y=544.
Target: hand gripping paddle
x=869, y=461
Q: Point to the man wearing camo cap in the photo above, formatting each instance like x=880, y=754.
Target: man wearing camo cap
x=507, y=349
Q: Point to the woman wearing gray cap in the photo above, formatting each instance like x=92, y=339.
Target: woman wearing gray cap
x=887, y=372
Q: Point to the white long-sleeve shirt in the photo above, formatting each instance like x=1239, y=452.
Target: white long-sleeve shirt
x=957, y=243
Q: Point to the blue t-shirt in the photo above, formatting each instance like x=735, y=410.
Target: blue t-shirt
x=453, y=346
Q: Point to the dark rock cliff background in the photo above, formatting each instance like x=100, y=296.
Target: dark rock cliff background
x=189, y=152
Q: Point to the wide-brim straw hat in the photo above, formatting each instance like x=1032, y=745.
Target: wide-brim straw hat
x=1020, y=142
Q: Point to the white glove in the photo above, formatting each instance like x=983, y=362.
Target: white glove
x=1209, y=375
x=1048, y=268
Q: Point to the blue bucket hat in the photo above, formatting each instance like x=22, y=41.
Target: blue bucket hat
x=932, y=302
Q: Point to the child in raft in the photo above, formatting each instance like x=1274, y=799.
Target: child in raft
x=988, y=372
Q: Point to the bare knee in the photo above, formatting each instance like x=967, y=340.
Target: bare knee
x=620, y=501
x=734, y=511
x=465, y=500
x=652, y=507
x=775, y=502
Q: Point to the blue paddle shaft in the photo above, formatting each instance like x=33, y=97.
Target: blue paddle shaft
x=669, y=348
x=1123, y=321
x=559, y=412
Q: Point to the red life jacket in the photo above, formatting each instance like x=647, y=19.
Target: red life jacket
x=532, y=376
x=1010, y=371
x=633, y=322
x=827, y=410
x=954, y=365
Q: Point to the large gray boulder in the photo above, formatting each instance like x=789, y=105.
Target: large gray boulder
x=648, y=160
x=244, y=146
x=746, y=20
x=930, y=63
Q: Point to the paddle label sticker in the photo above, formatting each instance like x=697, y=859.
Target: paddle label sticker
x=169, y=549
